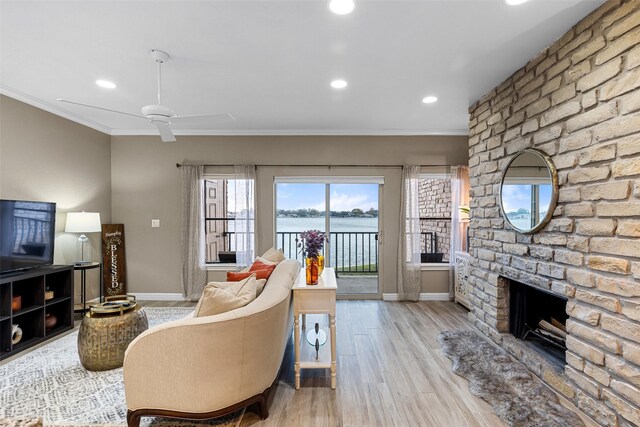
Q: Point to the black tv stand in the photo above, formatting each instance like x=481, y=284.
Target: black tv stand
x=31, y=285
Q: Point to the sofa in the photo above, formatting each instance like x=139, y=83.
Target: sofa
x=204, y=367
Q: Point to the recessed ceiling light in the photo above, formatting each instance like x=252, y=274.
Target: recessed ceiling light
x=338, y=84
x=106, y=84
x=515, y=2
x=342, y=7
x=429, y=99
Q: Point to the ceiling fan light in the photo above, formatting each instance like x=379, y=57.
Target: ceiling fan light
x=342, y=7
x=106, y=84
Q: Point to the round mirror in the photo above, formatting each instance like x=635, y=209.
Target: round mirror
x=529, y=191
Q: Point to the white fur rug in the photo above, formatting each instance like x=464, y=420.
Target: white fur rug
x=51, y=383
x=519, y=398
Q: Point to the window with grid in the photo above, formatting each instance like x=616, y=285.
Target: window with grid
x=434, y=199
x=219, y=219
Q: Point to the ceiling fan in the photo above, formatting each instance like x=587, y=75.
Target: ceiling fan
x=161, y=116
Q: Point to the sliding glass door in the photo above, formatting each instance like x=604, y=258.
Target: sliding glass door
x=353, y=238
x=348, y=212
x=299, y=207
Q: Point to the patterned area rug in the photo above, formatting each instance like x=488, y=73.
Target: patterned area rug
x=50, y=383
x=518, y=397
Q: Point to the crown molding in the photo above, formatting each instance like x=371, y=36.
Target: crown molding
x=289, y=132
x=53, y=109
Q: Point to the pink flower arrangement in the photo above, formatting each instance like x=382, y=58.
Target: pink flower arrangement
x=312, y=243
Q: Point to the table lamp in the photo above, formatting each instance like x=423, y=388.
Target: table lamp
x=83, y=222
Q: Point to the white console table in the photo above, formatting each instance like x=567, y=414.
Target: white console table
x=315, y=299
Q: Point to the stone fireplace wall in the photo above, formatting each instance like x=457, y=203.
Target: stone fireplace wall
x=579, y=102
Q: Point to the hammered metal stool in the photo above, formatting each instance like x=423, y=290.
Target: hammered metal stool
x=103, y=338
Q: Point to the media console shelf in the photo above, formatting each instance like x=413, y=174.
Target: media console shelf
x=31, y=317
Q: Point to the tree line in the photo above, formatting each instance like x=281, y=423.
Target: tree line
x=315, y=213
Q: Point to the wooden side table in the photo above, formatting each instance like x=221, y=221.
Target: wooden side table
x=104, y=338
x=315, y=299
x=82, y=268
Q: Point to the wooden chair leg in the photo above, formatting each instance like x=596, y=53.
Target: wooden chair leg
x=263, y=408
x=133, y=420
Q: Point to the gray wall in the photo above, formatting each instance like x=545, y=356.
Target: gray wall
x=146, y=184
x=45, y=157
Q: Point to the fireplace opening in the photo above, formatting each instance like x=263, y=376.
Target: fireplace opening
x=539, y=319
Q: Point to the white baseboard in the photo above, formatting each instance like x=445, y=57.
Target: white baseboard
x=425, y=296
x=150, y=296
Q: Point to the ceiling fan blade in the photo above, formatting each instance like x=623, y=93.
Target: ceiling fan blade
x=202, y=118
x=100, y=108
x=165, y=132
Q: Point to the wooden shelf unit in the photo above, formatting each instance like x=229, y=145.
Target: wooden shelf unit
x=31, y=285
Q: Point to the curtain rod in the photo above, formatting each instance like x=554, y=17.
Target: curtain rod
x=178, y=165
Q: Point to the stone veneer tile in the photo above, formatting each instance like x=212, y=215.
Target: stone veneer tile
x=579, y=102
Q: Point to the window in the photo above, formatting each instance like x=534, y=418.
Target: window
x=434, y=199
x=228, y=208
x=525, y=203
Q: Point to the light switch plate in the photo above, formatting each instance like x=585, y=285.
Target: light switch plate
x=155, y=223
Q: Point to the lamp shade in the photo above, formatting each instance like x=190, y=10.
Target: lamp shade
x=83, y=222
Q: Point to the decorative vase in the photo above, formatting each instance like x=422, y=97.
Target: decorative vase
x=16, y=334
x=16, y=303
x=320, y=265
x=312, y=271
x=50, y=322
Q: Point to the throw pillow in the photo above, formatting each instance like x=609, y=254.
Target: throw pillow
x=233, y=276
x=259, y=264
x=274, y=255
x=220, y=297
x=262, y=260
x=223, y=285
x=260, y=286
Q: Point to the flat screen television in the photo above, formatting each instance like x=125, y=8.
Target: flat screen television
x=27, y=233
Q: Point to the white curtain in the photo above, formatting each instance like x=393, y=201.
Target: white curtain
x=409, y=244
x=242, y=196
x=459, y=197
x=194, y=276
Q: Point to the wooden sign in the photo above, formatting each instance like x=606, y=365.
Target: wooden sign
x=114, y=260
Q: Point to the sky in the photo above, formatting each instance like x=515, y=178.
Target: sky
x=344, y=197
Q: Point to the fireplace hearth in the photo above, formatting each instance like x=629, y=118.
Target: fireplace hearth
x=538, y=318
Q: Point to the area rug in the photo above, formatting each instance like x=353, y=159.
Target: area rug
x=519, y=398
x=51, y=383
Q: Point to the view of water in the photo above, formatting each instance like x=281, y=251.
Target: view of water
x=346, y=250
x=521, y=223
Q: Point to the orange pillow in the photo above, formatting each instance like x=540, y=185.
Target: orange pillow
x=259, y=265
x=233, y=276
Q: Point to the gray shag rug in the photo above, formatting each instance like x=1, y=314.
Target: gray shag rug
x=51, y=384
x=519, y=398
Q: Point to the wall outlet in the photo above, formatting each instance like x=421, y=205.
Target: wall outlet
x=155, y=223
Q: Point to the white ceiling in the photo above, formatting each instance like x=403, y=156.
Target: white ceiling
x=269, y=63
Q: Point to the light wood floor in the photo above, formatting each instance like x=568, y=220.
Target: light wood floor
x=390, y=373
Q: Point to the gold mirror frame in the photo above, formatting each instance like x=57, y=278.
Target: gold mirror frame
x=554, y=191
